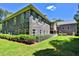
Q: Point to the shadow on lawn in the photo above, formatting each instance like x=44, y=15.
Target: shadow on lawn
x=67, y=48
x=45, y=52
x=63, y=48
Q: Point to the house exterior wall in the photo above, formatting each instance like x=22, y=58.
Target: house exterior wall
x=70, y=29
x=17, y=25
x=53, y=27
x=41, y=28
x=25, y=23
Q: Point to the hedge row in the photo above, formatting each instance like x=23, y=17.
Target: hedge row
x=43, y=37
x=24, y=38
x=20, y=37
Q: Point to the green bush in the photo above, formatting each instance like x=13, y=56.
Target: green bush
x=17, y=37
x=26, y=37
x=42, y=37
x=5, y=36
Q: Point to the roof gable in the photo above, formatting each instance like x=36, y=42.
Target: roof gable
x=30, y=6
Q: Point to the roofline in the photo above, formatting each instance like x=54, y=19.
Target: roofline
x=30, y=6
x=66, y=24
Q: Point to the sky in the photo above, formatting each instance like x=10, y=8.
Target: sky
x=64, y=11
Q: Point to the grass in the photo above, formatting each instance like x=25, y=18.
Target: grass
x=9, y=48
x=60, y=45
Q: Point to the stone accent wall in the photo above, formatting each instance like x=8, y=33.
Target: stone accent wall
x=38, y=26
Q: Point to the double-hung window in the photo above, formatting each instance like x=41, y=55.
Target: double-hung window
x=34, y=31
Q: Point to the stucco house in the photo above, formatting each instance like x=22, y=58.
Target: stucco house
x=53, y=27
x=28, y=20
x=64, y=27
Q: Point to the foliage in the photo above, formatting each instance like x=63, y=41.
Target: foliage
x=21, y=37
x=27, y=37
x=76, y=17
x=4, y=13
x=42, y=37
x=64, y=46
x=45, y=52
x=55, y=20
x=54, y=46
x=25, y=10
x=17, y=25
x=18, y=49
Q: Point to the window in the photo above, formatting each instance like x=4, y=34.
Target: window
x=33, y=31
x=22, y=19
x=15, y=21
x=27, y=14
x=62, y=27
x=40, y=31
x=4, y=27
x=68, y=27
x=40, y=19
x=11, y=21
x=34, y=15
x=24, y=15
x=18, y=20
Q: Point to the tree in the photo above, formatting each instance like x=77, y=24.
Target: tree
x=57, y=20
x=76, y=17
x=4, y=14
x=1, y=14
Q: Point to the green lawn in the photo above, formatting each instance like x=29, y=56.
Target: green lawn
x=60, y=45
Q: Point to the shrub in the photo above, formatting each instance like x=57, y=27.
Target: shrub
x=20, y=38
x=27, y=37
x=62, y=34
x=24, y=38
x=5, y=36
x=42, y=37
